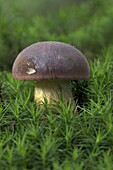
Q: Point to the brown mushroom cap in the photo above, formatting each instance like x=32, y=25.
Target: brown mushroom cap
x=50, y=60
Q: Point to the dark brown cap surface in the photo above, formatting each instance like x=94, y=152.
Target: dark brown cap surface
x=50, y=60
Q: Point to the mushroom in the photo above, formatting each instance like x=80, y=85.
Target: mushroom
x=52, y=65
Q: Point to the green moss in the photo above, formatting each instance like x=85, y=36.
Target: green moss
x=58, y=136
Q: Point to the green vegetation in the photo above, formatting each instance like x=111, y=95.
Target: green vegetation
x=88, y=26
x=57, y=137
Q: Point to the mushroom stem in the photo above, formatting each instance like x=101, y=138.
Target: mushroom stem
x=52, y=90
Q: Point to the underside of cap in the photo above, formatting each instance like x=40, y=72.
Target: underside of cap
x=50, y=60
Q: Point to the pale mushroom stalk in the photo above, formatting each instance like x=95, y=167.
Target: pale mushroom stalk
x=52, y=91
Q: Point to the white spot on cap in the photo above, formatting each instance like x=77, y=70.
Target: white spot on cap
x=31, y=71
x=28, y=64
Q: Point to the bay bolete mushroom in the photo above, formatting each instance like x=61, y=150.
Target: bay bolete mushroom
x=52, y=65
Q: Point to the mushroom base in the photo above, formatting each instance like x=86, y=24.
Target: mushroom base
x=52, y=91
